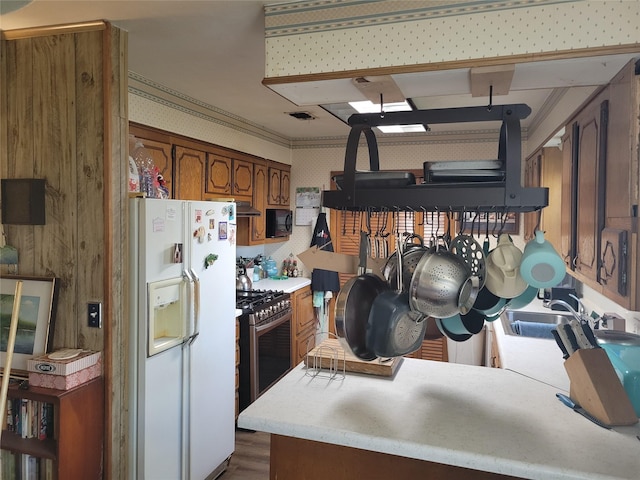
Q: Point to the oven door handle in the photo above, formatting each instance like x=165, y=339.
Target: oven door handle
x=276, y=323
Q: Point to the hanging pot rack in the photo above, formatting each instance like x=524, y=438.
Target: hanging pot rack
x=506, y=195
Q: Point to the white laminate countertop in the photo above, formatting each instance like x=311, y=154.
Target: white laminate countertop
x=481, y=418
x=289, y=285
x=537, y=358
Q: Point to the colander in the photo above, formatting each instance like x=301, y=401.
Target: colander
x=442, y=285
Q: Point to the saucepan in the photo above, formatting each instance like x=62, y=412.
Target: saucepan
x=411, y=254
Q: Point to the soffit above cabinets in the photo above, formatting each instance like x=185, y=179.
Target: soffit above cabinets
x=533, y=83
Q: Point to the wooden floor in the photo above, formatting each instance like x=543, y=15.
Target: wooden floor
x=250, y=461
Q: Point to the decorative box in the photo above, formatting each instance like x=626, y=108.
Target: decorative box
x=66, y=382
x=64, y=374
x=45, y=365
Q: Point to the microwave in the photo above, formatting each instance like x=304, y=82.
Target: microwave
x=278, y=222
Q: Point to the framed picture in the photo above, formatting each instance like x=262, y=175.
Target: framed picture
x=497, y=222
x=35, y=319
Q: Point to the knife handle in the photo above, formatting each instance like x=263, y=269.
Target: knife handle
x=560, y=343
x=590, y=335
x=581, y=338
x=567, y=337
x=566, y=400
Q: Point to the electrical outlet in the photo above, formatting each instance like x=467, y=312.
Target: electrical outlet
x=94, y=314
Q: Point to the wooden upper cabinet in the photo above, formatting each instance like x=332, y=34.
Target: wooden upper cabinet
x=229, y=176
x=592, y=144
x=242, y=178
x=279, y=185
x=159, y=147
x=258, y=224
x=190, y=171
x=567, y=218
x=218, y=174
x=285, y=186
x=532, y=179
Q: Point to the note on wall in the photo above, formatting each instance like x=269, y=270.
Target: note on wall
x=307, y=204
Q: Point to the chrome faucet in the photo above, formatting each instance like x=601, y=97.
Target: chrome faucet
x=577, y=315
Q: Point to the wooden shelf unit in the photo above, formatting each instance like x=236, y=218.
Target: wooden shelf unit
x=78, y=430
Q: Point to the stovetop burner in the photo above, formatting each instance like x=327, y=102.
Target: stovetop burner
x=253, y=300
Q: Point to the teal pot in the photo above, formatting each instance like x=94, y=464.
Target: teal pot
x=471, y=323
x=523, y=299
x=541, y=266
x=488, y=304
x=452, y=336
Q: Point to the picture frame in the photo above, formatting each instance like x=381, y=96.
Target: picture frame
x=498, y=222
x=36, y=319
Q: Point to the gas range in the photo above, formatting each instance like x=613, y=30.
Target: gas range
x=262, y=306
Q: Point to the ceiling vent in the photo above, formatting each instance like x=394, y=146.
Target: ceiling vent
x=302, y=115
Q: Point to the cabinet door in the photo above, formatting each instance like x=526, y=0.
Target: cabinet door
x=304, y=323
x=273, y=197
x=218, y=174
x=285, y=185
x=592, y=144
x=567, y=217
x=531, y=179
x=159, y=146
x=242, y=178
x=257, y=225
x=190, y=170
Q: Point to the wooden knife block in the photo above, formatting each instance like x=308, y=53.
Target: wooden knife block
x=596, y=387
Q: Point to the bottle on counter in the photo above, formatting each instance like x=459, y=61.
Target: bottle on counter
x=257, y=273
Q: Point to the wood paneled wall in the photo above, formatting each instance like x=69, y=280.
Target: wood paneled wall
x=63, y=112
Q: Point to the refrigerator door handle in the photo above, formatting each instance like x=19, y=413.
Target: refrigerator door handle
x=196, y=306
x=186, y=340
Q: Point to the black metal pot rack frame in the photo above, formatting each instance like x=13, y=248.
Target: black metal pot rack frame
x=507, y=195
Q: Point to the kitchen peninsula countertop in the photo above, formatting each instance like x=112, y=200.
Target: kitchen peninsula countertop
x=485, y=419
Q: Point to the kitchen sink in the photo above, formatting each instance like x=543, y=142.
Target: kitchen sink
x=532, y=324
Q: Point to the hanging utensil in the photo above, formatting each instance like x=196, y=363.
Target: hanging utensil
x=467, y=248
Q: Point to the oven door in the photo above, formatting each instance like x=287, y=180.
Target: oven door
x=265, y=356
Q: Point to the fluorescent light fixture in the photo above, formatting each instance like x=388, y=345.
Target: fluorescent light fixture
x=369, y=107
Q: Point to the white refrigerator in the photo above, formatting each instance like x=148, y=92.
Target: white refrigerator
x=182, y=357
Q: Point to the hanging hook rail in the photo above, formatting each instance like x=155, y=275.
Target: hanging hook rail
x=508, y=193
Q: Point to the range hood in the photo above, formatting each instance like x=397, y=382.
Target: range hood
x=501, y=196
x=244, y=209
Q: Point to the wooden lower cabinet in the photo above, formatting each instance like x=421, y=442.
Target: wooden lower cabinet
x=237, y=367
x=432, y=350
x=72, y=449
x=303, y=329
x=295, y=458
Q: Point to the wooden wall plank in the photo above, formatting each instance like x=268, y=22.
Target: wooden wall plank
x=19, y=136
x=90, y=126
x=54, y=156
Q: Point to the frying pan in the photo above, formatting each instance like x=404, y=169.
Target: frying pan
x=393, y=328
x=353, y=305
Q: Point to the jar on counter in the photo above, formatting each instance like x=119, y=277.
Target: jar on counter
x=271, y=267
